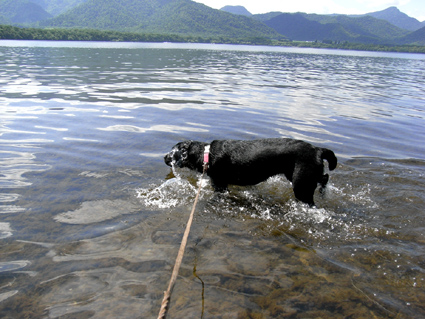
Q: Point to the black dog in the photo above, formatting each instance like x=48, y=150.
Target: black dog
x=251, y=162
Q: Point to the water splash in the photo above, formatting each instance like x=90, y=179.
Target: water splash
x=349, y=194
x=172, y=193
x=341, y=214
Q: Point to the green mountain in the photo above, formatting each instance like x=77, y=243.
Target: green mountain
x=160, y=16
x=241, y=10
x=56, y=7
x=189, y=18
x=312, y=27
x=25, y=12
x=394, y=16
x=21, y=12
x=4, y=20
x=417, y=37
x=263, y=17
x=107, y=14
x=297, y=27
x=361, y=26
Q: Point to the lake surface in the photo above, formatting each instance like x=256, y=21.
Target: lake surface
x=91, y=218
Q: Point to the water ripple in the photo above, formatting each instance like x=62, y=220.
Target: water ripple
x=84, y=127
x=5, y=230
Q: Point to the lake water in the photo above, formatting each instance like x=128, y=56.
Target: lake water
x=91, y=218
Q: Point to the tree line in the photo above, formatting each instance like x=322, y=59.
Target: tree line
x=62, y=34
x=345, y=45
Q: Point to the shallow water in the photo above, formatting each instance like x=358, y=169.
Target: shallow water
x=92, y=218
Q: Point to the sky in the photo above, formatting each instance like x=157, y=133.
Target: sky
x=413, y=8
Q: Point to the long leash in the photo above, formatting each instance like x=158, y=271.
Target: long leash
x=167, y=294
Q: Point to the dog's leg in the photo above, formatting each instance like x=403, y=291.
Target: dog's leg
x=304, y=185
x=305, y=193
x=219, y=187
x=323, y=183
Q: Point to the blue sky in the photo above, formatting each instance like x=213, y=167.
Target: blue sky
x=413, y=8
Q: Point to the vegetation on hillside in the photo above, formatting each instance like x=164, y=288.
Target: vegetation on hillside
x=21, y=11
x=394, y=16
x=55, y=7
x=10, y=32
x=311, y=27
x=107, y=14
x=189, y=21
x=417, y=38
x=241, y=10
x=363, y=25
x=359, y=29
x=188, y=18
x=182, y=17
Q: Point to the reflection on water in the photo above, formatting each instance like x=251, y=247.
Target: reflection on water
x=91, y=217
x=5, y=230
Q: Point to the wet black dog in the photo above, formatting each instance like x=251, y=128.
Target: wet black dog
x=251, y=162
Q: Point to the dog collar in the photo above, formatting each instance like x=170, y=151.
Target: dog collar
x=207, y=154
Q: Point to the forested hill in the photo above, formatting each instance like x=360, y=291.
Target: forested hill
x=56, y=7
x=417, y=37
x=190, y=18
x=394, y=16
x=187, y=18
x=237, y=10
x=340, y=28
x=108, y=14
x=21, y=11
x=160, y=16
x=309, y=27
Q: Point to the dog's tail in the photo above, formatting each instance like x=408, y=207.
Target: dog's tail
x=330, y=157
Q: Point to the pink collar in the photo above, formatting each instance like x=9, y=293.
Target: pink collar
x=206, y=154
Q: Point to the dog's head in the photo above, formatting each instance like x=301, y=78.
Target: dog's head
x=179, y=155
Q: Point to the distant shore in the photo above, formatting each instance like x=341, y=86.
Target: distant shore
x=8, y=32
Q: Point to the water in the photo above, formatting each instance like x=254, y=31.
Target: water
x=92, y=218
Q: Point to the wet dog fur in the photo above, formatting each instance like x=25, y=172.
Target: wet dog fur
x=235, y=162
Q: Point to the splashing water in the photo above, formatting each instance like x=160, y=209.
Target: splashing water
x=172, y=193
x=273, y=202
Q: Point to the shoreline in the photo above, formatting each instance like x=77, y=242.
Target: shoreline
x=8, y=32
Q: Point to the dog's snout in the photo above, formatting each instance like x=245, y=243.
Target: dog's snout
x=168, y=159
x=174, y=157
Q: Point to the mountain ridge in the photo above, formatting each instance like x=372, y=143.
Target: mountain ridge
x=361, y=28
x=56, y=7
x=106, y=15
x=160, y=16
x=187, y=17
x=394, y=16
x=22, y=11
x=241, y=10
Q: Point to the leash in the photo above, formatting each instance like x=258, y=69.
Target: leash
x=167, y=294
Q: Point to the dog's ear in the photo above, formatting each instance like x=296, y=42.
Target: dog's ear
x=181, y=153
x=185, y=149
x=186, y=144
